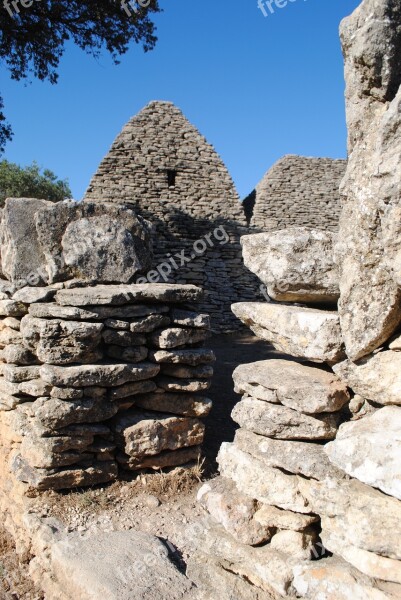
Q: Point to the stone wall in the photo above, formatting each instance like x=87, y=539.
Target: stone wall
x=298, y=191
x=95, y=377
x=161, y=164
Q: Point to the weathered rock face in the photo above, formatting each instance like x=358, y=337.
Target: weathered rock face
x=102, y=242
x=368, y=247
x=295, y=264
x=376, y=377
x=370, y=449
x=303, y=332
x=22, y=256
x=300, y=387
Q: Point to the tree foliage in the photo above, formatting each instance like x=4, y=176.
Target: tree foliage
x=30, y=182
x=32, y=40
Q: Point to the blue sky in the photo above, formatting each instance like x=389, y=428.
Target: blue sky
x=257, y=87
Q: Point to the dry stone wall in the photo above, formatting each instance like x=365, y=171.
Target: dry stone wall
x=163, y=166
x=95, y=379
x=298, y=191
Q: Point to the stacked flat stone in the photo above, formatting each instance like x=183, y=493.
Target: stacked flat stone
x=313, y=467
x=103, y=377
x=298, y=191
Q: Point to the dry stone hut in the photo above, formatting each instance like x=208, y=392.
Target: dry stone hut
x=297, y=191
x=162, y=165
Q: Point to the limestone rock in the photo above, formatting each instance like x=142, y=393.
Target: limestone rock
x=280, y=422
x=143, y=433
x=22, y=256
x=68, y=313
x=30, y=295
x=131, y=389
x=234, y=510
x=334, y=578
x=9, y=336
x=358, y=516
x=12, y=308
x=186, y=405
x=276, y=518
x=104, y=242
x=171, y=384
x=60, y=479
x=62, y=342
x=368, y=246
x=17, y=374
x=307, y=389
x=187, y=372
x=300, y=544
x=133, y=354
x=296, y=264
x=118, y=295
x=301, y=458
x=169, y=458
x=138, y=566
x=376, y=377
x=102, y=374
x=66, y=393
x=174, y=337
x=209, y=574
x=303, y=332
x=53, y=413
x=123, y=338
x=265, y=568
x=370, y=450
x=187, y=356
x=17, y=354
x=149, y=323
x=253, y=477
x=187, y=318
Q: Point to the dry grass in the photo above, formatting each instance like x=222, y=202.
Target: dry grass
x=14, y=581
x=166, y=486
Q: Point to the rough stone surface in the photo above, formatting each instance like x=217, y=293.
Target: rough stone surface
x=296, y=264
x=280, y=422
x=302, y=332
x=307, y=389
x=253, y=477
x=96, y=241
x=189, y=356
x=138, y=566
x=302, y=458
x=30, y=295
x=178, y=404
x=298, y=191
x=234, y=510
x=22, y=256
x=151, y=433
x=370, y=450
x=368, y=246
x=376, y=377
x=105, y=375
x=333, y=578
x=120, y=295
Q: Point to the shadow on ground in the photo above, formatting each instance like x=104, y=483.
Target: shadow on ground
x=231, y=350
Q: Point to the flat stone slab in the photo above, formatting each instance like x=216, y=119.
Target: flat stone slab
x=30, y=295
x=376, y=377
x=108, y=375
x=117, y=566
x=119, y=295
x=296, y=264
x=307, y=389
x=187, y=356
x=300, y=458
x=276, y=421
x=370, y=450
x=186, y=405
x=302, y=332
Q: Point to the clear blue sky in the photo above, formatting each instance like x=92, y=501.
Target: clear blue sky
x=257, y=87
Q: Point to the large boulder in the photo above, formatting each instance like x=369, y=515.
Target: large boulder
x=370, y=450
x=102, y=242
x=22, y=257
x=295, y=264
x=368, y=249
x=302, y=332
